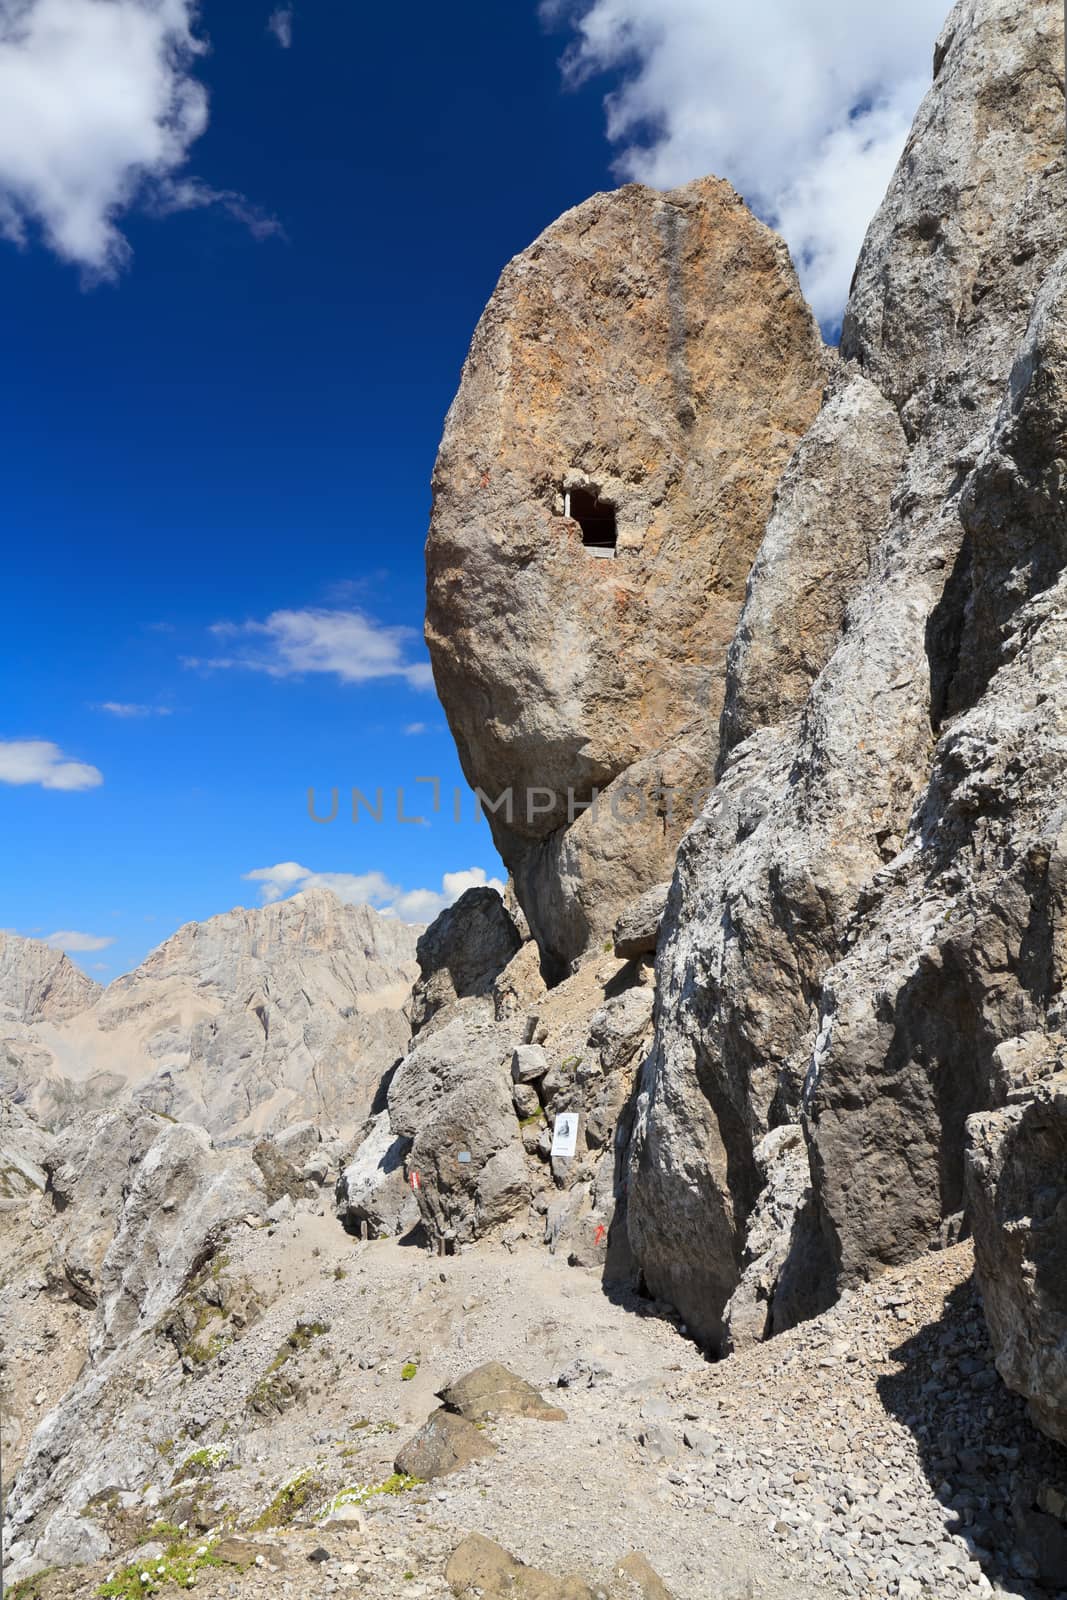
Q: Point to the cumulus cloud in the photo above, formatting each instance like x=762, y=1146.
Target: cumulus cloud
x=27, y=761
x=77, y=943
x=371, y=888
x=280, y=24
x=127, y=709
x=803, y=104
x=350, y=645
x=99, y=107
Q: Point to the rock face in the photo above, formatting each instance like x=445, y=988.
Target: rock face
x=246, y=1022
x=1017, y=1189
x=867, y=908
x=463, y=1145
x=775, y=1289
x=148, y=1205
x=637, y=930
x=462, y=953
x=24, y=1149
x=39, y=984
x=646, y=366
x=91, y=1168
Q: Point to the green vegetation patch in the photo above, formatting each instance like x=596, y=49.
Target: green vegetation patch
x=166, y=1530
x=179, y=1564
x=203, y=1463
x=276, y=1391
x=360, y=1493
x=408, y=1371
x=301, y=1339
x=30, y=1588
x=289, y=1502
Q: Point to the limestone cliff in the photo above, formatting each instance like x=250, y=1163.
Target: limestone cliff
x=863, y=913
x=39, y=984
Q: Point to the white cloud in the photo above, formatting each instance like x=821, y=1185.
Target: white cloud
x=413, y=729
x=25, y=761
x=281, y=25
x=371, y=888
x=804, y=105
x=99, y=108
x=127, y=709
x=350, y=645
x=77, y=943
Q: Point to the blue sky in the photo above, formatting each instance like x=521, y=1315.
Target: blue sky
x=217, y=459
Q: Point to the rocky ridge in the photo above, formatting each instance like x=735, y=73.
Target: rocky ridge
x=241, y=1023
x=39, y=984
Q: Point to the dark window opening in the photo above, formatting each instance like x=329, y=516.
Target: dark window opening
x=596, y=518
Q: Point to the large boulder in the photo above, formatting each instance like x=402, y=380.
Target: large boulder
x=478, y=1569
x=451, y=1098
x=633, y=391
x=445, y=1443
x=373, y=1189
x=493, y=1391
x=1017, y=1192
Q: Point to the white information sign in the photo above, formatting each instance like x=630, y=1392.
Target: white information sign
x=565, y=1134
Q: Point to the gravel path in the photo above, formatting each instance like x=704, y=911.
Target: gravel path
x=872, y=1453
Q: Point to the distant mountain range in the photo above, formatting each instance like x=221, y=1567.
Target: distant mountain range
x=249, y=1021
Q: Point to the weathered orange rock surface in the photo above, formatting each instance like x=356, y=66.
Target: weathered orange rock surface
x=652, y=351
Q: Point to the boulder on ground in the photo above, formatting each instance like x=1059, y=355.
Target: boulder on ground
x=373, y=1186
x=492, y=1391
x=445, y=1443
x=452, y=1097
x=529, y=1064
x=482, y=1570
